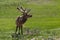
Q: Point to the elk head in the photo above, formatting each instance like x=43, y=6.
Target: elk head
x=25, y=11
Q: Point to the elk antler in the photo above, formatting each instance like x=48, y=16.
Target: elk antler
x=28, y=10
x=21, y=9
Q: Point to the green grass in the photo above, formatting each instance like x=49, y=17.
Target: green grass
x=45, y=16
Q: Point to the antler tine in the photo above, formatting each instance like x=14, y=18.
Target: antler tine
x=28, y=10
x=22, y=8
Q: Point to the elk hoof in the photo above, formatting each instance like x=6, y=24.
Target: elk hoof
x=18, y=33
x=14, y=35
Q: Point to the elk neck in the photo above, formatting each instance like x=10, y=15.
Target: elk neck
x=24, y=19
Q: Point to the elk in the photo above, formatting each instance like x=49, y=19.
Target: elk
x=22, y=19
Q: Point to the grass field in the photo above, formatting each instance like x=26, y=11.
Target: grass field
x=46, y=15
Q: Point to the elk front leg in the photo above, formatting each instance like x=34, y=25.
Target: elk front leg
x=16, y=29
x=21, y=29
